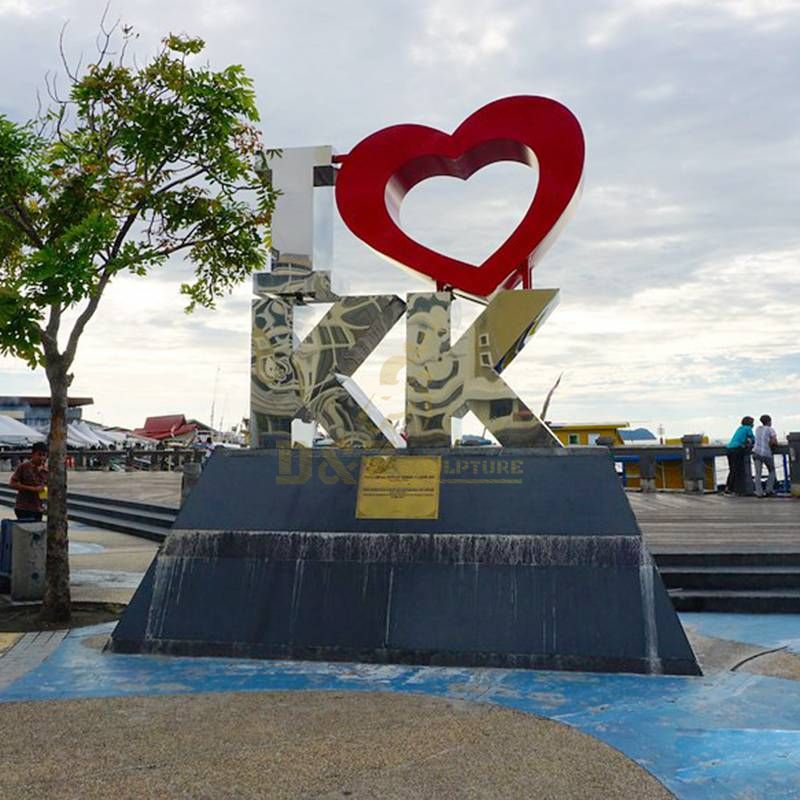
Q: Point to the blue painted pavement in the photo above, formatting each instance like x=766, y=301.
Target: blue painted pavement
x=768, y=630
x=727, y=735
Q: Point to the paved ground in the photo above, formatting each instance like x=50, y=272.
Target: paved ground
x=311, y=744
x=760, y=644
x=28, y=650
x=729, y=734
x=105, y=567
x=162, y=488
x=8, y=640
x=146, y=726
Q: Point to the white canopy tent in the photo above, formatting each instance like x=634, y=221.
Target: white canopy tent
x=140, y=441
x=83, y=434
x=77, y=438
x=14, y=433
x=96, y=436
x=113, y=437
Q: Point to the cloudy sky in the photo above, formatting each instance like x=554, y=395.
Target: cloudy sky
x=679, y=273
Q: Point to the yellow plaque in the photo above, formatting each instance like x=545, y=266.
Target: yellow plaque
x=399, y=487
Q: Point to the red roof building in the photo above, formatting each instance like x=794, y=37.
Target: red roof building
x=170, y=426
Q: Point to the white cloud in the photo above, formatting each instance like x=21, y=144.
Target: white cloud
x=720, y=338
x=664, y=354
x=657, y=93
x=28, y=8
x=463, y=33
x=470, y=219
x=608, y=25
x=690, y=113
x=231, y=14
x=143, y=355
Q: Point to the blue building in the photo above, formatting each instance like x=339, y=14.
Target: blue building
x=35, y=411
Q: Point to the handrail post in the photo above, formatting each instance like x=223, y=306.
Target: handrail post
x=647, y=472
x=693, y=464
x=190, y=477
x=794, y=463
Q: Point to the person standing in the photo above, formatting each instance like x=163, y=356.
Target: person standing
x=29, y=481
x=739, y=448
x=766, y=439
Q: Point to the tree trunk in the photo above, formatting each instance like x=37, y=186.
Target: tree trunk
x=56, y=606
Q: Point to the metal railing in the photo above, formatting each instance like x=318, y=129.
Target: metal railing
x=128, y=459
x=692, y=456
x=649, y=457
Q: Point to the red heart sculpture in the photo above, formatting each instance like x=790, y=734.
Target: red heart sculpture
x=380, y=170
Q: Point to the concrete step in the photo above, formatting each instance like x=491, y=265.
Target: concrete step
x=137, y=505
x=732, y=559
x=112, y=502
x=770, y=601
x=162, y=519
x=146, y=520
x=733, y=578
x=732, y=582
x=141, y=528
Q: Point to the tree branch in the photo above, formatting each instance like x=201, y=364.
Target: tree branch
x=168, y=251
x=25, y=217
x=131, y=218
x=19, y=224
x=72, y=75
x=85, y=316
x=105, y=35
x=50, y=333
x=179, y=181
x=123, y=232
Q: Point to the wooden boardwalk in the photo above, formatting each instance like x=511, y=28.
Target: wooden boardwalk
x=161, y=488
x=672, y=522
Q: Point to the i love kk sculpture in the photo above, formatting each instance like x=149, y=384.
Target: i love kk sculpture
x=312, y=379
x=409, y=550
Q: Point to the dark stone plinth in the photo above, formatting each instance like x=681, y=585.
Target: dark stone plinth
x=547, y=571
x=565, y=491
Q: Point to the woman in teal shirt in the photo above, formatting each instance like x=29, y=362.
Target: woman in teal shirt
x=739, y=448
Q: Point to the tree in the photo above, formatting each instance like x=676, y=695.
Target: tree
x=134, y=165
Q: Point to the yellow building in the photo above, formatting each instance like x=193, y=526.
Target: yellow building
x=588, y=433
x=669, y=468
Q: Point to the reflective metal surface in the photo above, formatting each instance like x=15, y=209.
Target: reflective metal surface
x=299, y=283
x=274, y=390
x=311, y=381
x=373, y=412
x=302, y=223
x=339, y=345
x=305, y=382
x=445, y=382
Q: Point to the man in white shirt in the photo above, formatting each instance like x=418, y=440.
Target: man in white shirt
x=766, y=439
